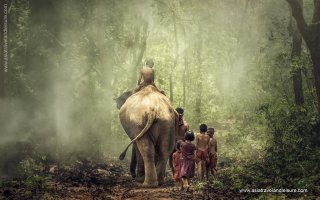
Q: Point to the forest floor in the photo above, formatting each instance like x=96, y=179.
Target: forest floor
x=111, y=180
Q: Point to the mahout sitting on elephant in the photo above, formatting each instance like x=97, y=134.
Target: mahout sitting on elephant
x=149, y=120
x=146, y=76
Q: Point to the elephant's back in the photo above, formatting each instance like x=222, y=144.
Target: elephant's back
x=136, y=107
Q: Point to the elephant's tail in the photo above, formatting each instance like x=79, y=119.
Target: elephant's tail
x=151, y=118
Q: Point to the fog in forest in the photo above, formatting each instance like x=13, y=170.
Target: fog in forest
x=222, y=61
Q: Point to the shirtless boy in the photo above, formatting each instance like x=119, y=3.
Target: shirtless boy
x=213, y=148
x=147, y=75
x=202, y=156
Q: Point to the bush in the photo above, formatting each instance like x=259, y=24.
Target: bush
x=292, y=158
x=32, y=174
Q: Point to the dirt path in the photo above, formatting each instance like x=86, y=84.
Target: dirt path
x=124, y=188
x=155, y=193
x=95, y=181
x=120, y=192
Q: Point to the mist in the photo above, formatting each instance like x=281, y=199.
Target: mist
x=70, y=59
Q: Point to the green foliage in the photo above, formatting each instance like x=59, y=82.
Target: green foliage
x=32, y=175
x=291, y=160
x=233, y=73
x=198, y=185
x=29, y=167
x=37, y=183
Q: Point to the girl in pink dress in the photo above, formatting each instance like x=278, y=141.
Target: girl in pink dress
x=176, y=160
x=187, y=160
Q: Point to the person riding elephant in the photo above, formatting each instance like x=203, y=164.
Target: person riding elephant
x=149, y=120
x=146, y=76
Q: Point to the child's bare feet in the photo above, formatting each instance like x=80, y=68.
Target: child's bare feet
x=188, y=188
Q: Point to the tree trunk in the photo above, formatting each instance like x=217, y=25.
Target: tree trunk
x=297, y=87
x=185, y=71
x=316, y=71
x=44, y=15
x=3, y=65
x=184, y=78
x=176, y=56
x=295, y=53
x=311, y=35
x=315, y=52
x=171, y=85
x=138, y=52
x=199, y=79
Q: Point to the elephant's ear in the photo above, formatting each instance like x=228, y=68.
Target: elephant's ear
x=123, y=98
x=121, y=94
x=176, y=123
x=176, y=114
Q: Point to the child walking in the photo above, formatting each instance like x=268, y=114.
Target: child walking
x=187, y=160
x=176, y=160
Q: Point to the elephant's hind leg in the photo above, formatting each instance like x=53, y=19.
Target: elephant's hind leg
x=165, y=148
x=133, y=162
x=140, y=170
x=161, y=167
x=147, y=152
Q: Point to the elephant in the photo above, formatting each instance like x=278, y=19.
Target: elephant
x=133, y=163
x=149, y=120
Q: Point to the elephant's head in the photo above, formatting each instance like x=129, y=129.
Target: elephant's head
x=122, y=99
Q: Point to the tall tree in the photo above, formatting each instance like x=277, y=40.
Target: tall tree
x=199, y=77
x=139, y=49
x=45, y=23
x=42, y=67
x=176, y=54
x=295, y=53
x=185, y=71
x=311, y=35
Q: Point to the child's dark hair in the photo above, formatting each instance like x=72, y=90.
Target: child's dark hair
x=180, y=110
x=149, y=62
x=189, y=135
x=203, y=128
x=211, y=130
x=179, y=144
